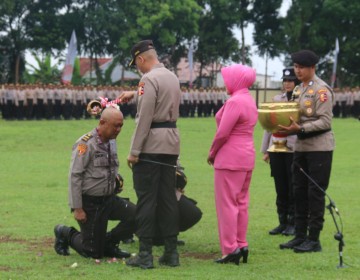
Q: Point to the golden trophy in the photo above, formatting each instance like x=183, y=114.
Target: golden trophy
x=273, y=114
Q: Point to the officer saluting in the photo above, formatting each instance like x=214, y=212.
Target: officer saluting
x=313, y=153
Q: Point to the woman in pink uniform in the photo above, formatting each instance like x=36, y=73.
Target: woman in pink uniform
x=232, y=154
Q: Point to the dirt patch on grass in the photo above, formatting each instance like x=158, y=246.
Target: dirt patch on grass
x=31, y=244
x=4, y=268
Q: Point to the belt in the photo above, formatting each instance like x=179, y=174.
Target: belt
x=96, y=199
x=305, y=135
x=163, y=125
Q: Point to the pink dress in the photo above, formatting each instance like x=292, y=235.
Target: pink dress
x=233, y=152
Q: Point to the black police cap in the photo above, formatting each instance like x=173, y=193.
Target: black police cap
x=305, y=58
x=139, y=48
x=289, y=74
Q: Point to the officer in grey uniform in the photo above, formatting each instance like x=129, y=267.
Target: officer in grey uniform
x=313, y=153
x=92, y=197
x=153, y=154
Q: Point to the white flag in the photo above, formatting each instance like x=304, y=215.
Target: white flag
x=70, y=59
x=191, y=62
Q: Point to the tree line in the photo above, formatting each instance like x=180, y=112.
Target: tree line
x=110, y=27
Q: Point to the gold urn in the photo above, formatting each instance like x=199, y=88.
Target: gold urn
x=273, y=114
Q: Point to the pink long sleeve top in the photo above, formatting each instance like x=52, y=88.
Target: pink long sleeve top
x=233, y=145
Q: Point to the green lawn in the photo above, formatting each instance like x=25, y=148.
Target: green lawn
x=34, y=162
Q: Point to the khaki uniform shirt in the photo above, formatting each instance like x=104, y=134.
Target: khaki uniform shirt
x=158, y=101
x=316, y=102
x=93, y=168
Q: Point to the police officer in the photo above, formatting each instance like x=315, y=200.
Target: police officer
x=92, y=197
x=155, y=139
x=313, y=153
x=281, y=161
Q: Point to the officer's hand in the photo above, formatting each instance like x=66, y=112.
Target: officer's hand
x=293, y=128
x=80, y=215
x=125, y=96
x=266, y=157
x=132, y=160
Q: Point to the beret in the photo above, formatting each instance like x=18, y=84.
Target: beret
x=305, y=58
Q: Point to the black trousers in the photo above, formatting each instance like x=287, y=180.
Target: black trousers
x=92, y=238
x=155, y=189
x=189, y=215
x=309, y=199
x=280, y=164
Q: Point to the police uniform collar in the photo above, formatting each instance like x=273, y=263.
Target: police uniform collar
x=158, y=65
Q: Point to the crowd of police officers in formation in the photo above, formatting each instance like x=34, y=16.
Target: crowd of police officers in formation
x=30, y=102
x=37, y=102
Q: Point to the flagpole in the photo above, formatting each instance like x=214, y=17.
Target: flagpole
x=333, y=75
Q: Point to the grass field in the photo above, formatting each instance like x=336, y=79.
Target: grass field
x=34, y=162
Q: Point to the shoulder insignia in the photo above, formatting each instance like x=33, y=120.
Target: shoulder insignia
x=87, y=137
x=322, y=90
x=82, y=148
x=141, y=88
x=323, y=97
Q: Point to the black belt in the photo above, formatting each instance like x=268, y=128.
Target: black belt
x=95, y=199
x=305, y=135
x=163, y=125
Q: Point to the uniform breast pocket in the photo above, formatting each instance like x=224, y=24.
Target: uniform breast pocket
x=101, y=166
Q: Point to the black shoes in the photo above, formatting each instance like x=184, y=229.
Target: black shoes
x=61, y=245
x=308, y=246
x=278, y=230
x=292, y=243
x=170, y=259
x=116, y=252
x=143, y=260
x=235, y=256
x=289, y=230
x=171, y=255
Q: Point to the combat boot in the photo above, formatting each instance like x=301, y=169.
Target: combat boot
x=62, y=239
x=292, y=243
x=308, y=246
x=112, y=249
x=290, y=227
x=145, y=258
x=311, y=244
x=171, y=255
x=281, y=227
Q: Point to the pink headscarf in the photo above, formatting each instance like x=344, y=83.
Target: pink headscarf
x=237, y=77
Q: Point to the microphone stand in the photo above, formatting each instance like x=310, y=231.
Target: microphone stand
x=338, y=235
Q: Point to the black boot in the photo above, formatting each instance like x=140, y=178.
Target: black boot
x=281, y=227
x=311, y=244
x=112, y=249
x=62, y=239
x=144, y=259
x=297, y=240
x=290, y=227
x=171, y=255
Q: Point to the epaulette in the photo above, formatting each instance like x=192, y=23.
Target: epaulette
x=86, y=137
